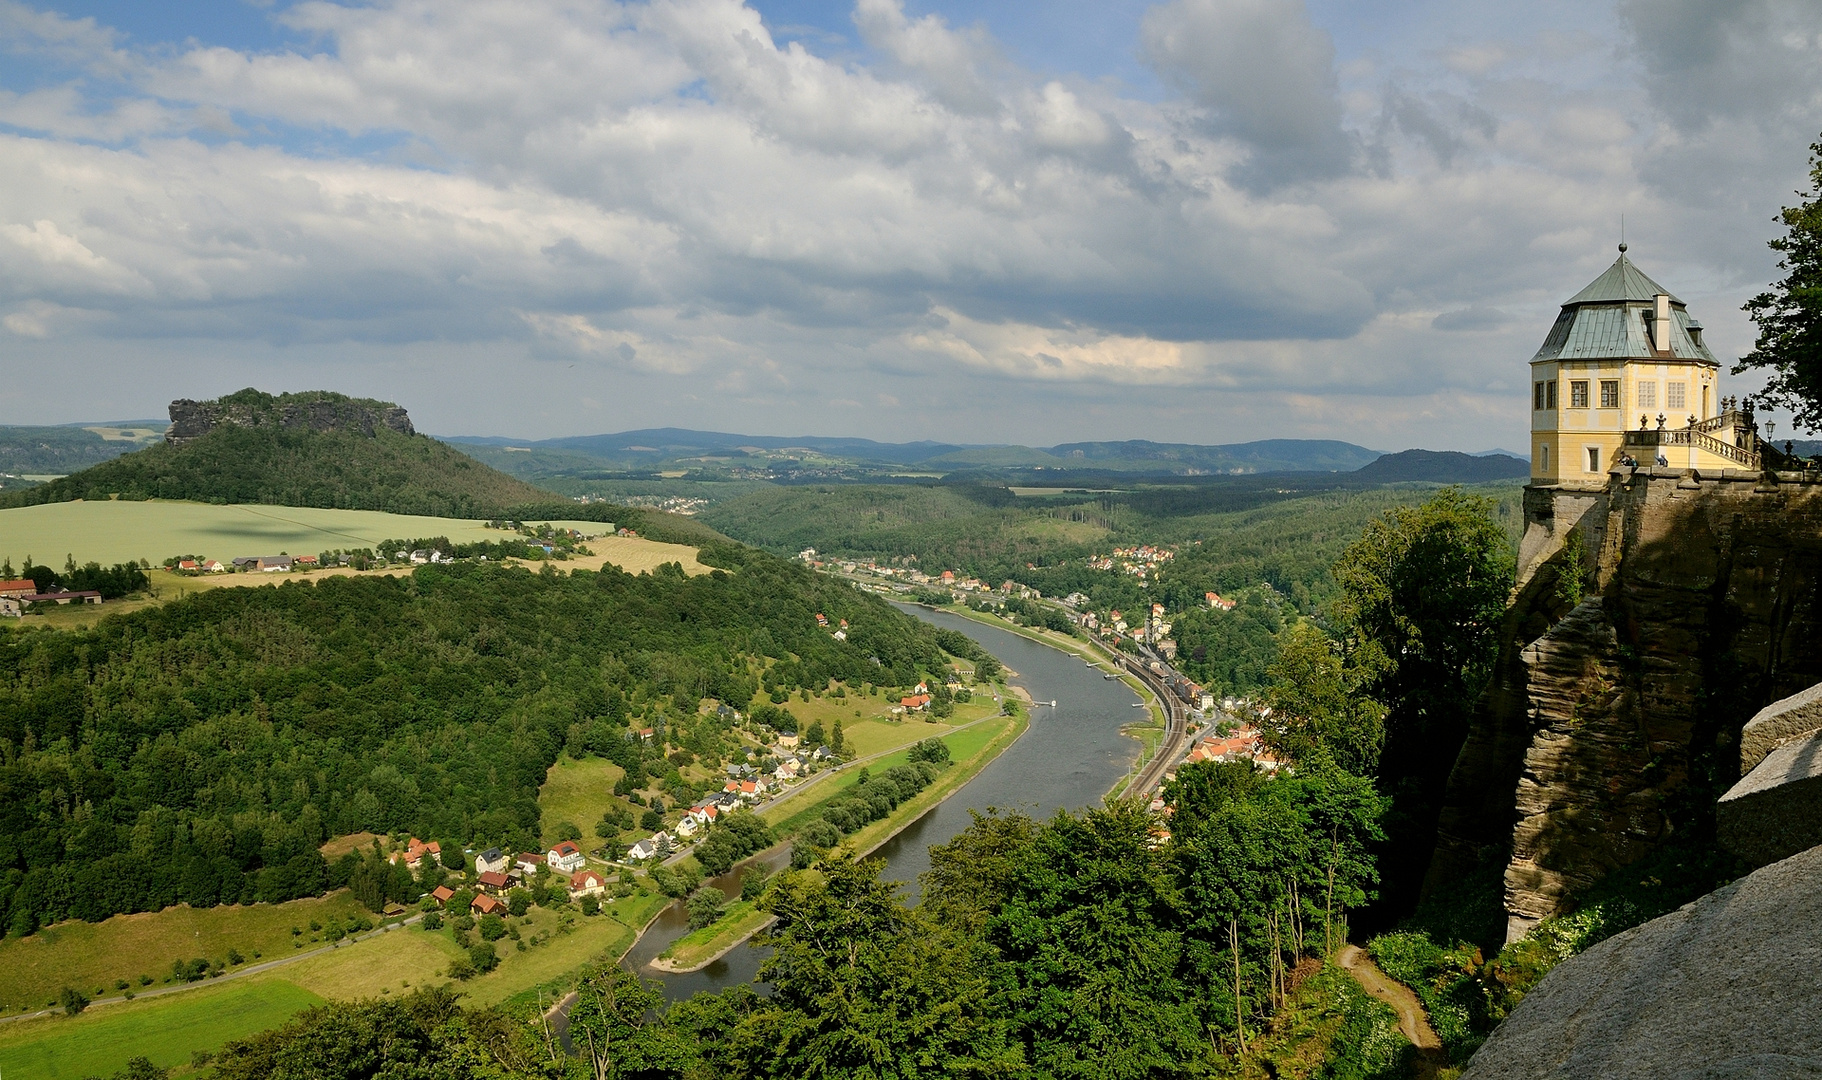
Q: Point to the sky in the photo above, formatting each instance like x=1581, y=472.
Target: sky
x=1202, y=221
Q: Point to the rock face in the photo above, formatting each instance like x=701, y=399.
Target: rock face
x=1775, y=810
x=1614, y=721
x=1727, y=987
x=317, y=411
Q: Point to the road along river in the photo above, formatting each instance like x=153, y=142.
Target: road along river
x=1070, y=757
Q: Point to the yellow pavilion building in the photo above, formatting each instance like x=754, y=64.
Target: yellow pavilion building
x=1624, y=379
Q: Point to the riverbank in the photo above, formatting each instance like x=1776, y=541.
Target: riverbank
x=1149, y=733
x=700, y=948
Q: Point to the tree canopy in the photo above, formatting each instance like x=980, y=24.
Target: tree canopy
x=1789, y=314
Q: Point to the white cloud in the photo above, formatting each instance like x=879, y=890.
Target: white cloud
x=661, y=198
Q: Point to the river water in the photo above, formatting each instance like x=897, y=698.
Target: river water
x=1068, y=758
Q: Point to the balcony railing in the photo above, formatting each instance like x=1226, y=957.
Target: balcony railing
x=1696, y=435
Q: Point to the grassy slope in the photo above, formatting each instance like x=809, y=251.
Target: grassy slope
x=91, y=956
x=578, y=792
x=100, y=1042
x=170, y=1029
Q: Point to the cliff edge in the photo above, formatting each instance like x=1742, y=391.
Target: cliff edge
x=316, y=410
x=1650, y=621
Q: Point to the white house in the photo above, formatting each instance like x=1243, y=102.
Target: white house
x=565, y=858
x=687, y=826
x=491, y=861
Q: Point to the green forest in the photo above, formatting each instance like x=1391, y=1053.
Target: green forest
x=199, y=751
x=1268, y=542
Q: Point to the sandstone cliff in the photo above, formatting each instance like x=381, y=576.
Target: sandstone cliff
x=311, y=411
x=1613, y=722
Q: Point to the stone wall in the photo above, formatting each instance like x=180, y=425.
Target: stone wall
x=1612, y=723
x=194, y=419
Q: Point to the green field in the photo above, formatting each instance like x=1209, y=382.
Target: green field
x=100, y=1042
x=96, y=956
x=113, y=532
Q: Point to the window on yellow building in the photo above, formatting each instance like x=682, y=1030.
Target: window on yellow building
x=1648, y=395
x=1543, y=457
x=1676, y=395
x=1550, y=395
x=1610, y=393
x=1537, y=395
x=1594, y=459
x=1578, y=394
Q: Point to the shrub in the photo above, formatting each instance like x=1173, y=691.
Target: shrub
x=433, y=921
x=484, y=957
x=518, y=902
x=72, y=1000
x=493, y=928
x=935, y=751
x=591, y=906
x=705, y=907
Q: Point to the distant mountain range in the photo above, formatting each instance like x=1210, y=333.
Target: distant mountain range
x=658, y=449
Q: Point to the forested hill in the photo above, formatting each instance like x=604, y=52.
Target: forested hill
x=317, y=449
x=201, y=750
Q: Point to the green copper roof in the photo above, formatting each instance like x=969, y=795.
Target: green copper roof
x=1611, y=320
x=1622, y=281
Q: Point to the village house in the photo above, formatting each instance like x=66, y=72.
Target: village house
x=657, y=844
x=686, y=827
x=415, y=851
x=788, y=742
x=565, y=858
x=484, y=904
x=528, y=863
x=442, y=894
x=493, y=860
x=494, y=881
x=11, y=608
x=748, y=790
x=586, y=883
x=914, y=703
x=18, y=590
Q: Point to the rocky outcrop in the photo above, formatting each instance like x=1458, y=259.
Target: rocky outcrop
x=1614, y=722
x=1776, y=809
x=316, y=411
x=1727, y=987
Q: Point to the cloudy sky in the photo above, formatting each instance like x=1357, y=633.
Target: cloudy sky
x=989, y=221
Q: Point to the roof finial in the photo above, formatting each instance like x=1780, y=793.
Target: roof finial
x=1622, y=234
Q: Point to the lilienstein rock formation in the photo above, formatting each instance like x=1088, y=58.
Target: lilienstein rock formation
x=191, y=420
x=1614, y=716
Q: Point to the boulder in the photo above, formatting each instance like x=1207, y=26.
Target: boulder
x=1728, y=986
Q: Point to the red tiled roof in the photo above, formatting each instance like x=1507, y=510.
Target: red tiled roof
x=493, y=879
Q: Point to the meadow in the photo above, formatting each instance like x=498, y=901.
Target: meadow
x=168, y=1032
x=113, y=532
x=96, y=957
x=171, y=1029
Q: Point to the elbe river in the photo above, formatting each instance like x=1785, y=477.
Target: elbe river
x=1070, y=757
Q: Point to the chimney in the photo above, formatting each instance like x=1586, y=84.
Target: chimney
x=1660, y=325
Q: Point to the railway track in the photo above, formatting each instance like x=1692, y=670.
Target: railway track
x=1176, y=729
